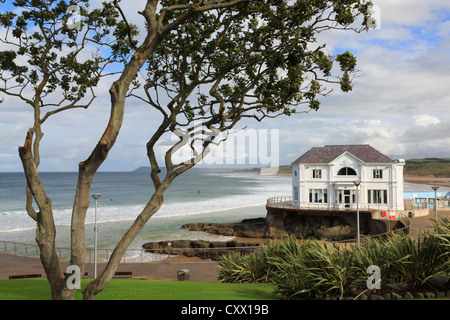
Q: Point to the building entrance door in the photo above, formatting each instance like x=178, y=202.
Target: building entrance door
x=347, y=198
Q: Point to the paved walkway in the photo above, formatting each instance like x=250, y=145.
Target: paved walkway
x=205, y=271
x=421, y=224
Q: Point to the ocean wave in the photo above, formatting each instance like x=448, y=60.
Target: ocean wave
x=20, y=221
x=255, y=194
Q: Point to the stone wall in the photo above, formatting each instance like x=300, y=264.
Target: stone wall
x=324, y=223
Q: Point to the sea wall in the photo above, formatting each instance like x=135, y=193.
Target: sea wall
x=324, y=223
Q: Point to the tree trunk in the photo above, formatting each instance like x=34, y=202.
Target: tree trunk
x=45, y=226
x=86, y=172
x=97, y=285
x=88, y=168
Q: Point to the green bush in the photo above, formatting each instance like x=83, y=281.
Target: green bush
x=311, y=269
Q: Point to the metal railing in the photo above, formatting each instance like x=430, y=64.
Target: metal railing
x=19, y=249
x=427, y=203
x=103, y=255
x=405, y=220
x=286, y=202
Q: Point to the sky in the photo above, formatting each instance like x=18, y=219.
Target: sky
x=399, y=103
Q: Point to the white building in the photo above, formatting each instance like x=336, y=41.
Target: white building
x=325, y=177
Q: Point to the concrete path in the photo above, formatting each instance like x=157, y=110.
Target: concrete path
x=198, y=271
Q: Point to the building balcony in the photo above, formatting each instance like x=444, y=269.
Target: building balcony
x=287, y=202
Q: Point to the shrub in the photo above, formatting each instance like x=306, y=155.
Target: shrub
x=311, y=269
x=330, y=270
x=233, y=268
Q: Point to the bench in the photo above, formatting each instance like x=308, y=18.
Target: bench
x=26, y=276
x=123, y=274
x=85, y=275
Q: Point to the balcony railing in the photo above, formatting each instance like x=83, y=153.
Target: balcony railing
x=286, y=202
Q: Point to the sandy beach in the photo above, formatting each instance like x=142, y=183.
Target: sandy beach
x=429, y=180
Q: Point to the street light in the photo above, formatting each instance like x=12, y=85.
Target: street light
x=357, y=183
x=435, y=188
x=169, y=244
x=95, y=196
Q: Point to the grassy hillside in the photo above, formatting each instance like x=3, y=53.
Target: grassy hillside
x=285, y=170
x=428, y=166
x=417, y=167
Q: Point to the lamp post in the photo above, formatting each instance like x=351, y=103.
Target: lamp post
x=95, y=196
x=435, y=188
x=357, y=183
x=169, y=244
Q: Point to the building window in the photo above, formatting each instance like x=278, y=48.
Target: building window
x=295, y=193
x=377, y=174
x=377, y=196
x=317, y=173
x=346, y=171
x=318, y=195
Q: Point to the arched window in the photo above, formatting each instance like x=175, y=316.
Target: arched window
x=346, y=171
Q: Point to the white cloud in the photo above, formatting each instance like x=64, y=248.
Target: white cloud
x=425, y=120
x=399, y=103
x=410, y=12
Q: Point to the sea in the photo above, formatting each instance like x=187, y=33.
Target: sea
x=198, y=195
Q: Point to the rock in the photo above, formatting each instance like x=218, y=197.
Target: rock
x=396, y=296
x=429, y=295
x=440, y=295
x=298, y=226
x=419, y=295
x=247, y=228
x=333, y=232
x=364, y=296
x=376, y=297
x=199, y=248
x=408, y=295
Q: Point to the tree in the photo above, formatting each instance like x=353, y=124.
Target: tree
x=255, y=59
x=46, y=68
x=246, y=59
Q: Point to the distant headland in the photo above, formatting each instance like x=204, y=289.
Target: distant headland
x=426, y=170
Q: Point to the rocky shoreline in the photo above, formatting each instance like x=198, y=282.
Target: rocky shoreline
x=252, y=233
x=255, y=230
x=202, y=249
x=247, y=228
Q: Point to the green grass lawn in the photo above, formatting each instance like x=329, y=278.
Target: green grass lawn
x=129, y=289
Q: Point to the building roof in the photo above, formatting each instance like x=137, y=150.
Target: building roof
x=328, y=153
